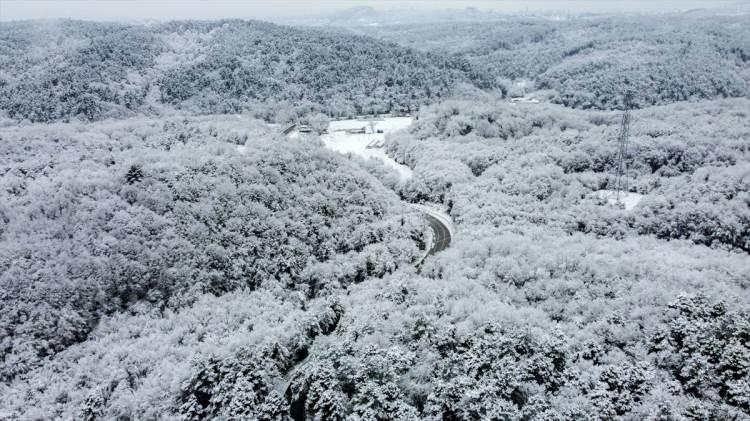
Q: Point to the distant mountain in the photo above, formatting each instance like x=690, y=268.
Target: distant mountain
x=738, y=9
x=365, y=16
x=591, y=61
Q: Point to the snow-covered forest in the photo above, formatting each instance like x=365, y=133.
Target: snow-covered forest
x=58, y=70
x=593, y=62
x=182, y=238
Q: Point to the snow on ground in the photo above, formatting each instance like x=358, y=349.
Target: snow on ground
x=524, y=99
x=339, y=140
x=429, y=241
x=387, y=124
x=629, y=200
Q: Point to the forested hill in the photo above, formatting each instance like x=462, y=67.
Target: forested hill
x=53, y=70
x=590, y=62
x=154, y=213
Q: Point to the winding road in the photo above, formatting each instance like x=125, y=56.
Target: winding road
x=442, y=235
x=443, y=232
x=442, y=229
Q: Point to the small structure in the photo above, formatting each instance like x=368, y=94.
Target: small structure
x=524, y=99
x=361, y=130
x=376, y=143
x=304, y=128
x=288, y=129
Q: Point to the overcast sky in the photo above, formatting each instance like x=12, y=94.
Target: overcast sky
x=206, y=9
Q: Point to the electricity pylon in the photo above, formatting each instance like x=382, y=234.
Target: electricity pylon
x=621, y=181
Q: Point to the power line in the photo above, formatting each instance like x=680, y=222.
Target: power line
x=621, y=181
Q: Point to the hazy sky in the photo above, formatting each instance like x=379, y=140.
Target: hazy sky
x=206, y=9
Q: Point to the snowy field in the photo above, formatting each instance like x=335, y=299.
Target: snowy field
x=628, y=200
x=340, y=140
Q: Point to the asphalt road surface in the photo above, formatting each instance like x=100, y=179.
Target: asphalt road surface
x=442, y=236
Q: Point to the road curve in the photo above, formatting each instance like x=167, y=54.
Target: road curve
x=441, y=226
x=441, y=236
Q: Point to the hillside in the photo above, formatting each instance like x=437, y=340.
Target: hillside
x=549, y=304
x=171, y=248
x=591, y=62
x=64, y=69
x=155, y=214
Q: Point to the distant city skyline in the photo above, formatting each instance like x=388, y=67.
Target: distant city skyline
x=260, y=9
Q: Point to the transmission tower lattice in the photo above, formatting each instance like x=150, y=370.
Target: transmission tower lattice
x=621, y=181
